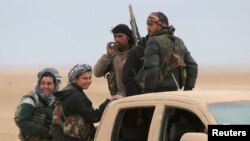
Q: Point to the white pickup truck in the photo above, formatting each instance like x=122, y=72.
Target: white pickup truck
x=172, y=116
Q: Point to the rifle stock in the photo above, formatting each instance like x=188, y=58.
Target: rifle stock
x=133, y=24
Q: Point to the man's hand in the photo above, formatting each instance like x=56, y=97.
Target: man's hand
x=111, y=48
x=115, y=97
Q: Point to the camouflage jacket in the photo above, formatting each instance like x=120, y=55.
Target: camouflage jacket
x=75, y=103
x=34, y=120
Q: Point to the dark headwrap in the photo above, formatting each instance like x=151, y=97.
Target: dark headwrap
x=122, y=28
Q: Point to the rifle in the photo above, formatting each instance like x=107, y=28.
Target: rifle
x=133, y=24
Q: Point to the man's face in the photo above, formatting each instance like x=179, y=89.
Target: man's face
x=152, y=28
x=121, y=39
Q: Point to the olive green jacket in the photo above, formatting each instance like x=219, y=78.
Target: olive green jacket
x=34, y=122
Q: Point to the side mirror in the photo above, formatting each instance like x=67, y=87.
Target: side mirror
x=194, y=137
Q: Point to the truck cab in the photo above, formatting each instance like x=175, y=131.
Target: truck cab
x=167, y=116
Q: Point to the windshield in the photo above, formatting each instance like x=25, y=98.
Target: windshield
x=231, y=113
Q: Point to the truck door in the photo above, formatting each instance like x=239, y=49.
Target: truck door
x=133, y=124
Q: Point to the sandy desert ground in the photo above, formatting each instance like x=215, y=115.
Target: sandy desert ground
x=16, y=82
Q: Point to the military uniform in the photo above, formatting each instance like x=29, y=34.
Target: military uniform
x=34, y=119
x=75, y=102
x=112, y=66
x=153, y=57
x=33, y=115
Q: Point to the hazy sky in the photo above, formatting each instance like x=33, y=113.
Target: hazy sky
x=67, y=32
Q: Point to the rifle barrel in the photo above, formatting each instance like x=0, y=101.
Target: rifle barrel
x=133, y=24
x=131, y=11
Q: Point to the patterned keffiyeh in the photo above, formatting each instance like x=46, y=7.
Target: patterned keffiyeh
x=78, y=70
x=49, y=98
x=159, y=18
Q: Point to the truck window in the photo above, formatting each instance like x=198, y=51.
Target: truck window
x=179, y=121
x=133, y=124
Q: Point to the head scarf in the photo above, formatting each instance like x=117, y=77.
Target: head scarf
x=53, y=71
x=48, y=98
x=159, y=18
x=78, y=70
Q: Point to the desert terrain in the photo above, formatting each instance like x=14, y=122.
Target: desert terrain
x=14, y=83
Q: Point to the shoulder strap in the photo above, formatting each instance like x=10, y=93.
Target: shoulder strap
x=30, y=95
x=35, y=98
